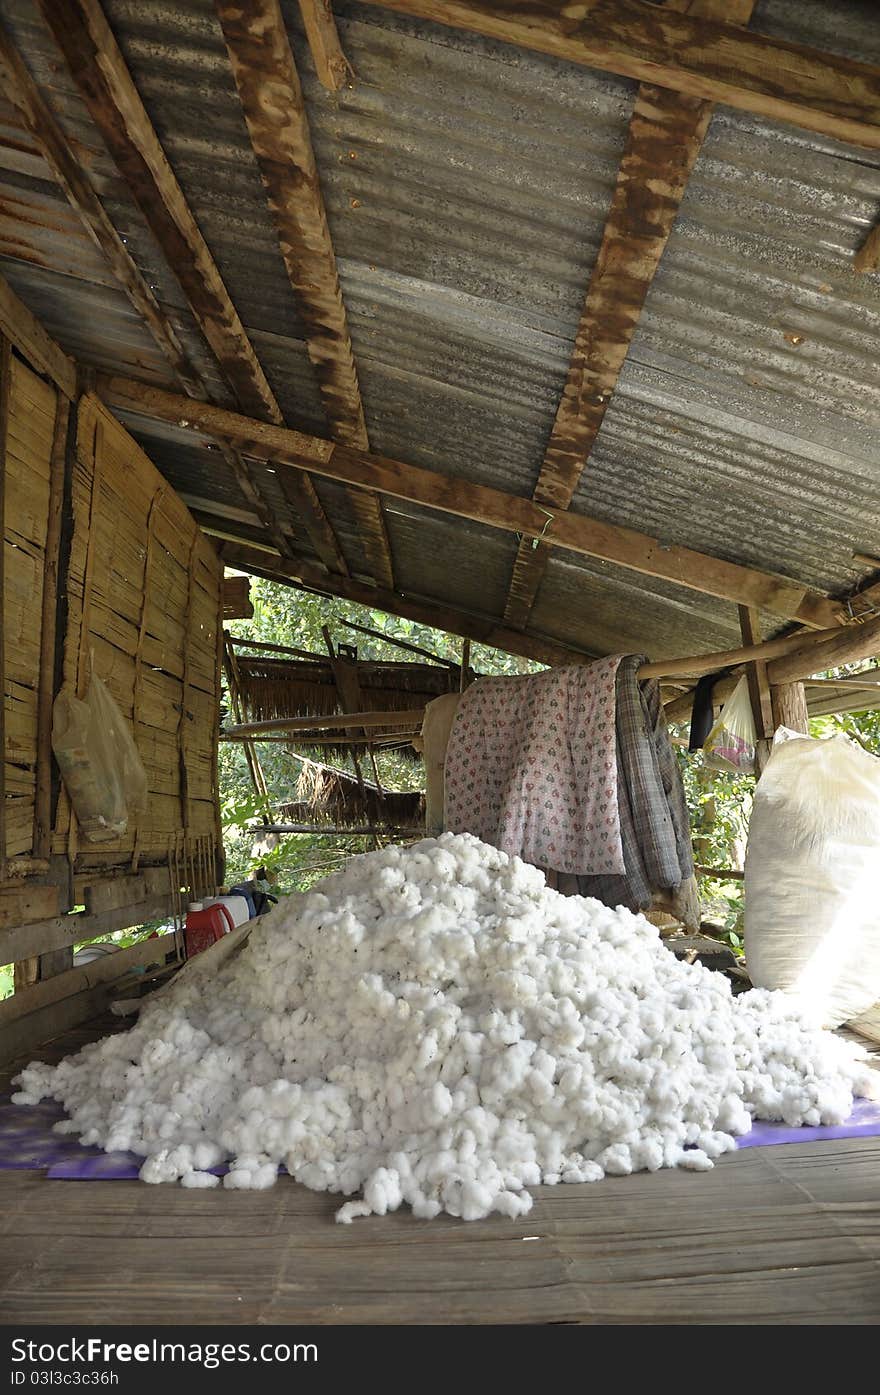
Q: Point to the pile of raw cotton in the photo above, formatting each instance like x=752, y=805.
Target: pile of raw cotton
x=434, y=1026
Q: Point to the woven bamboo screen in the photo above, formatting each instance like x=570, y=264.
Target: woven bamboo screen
x=102, y=568
x=144, y=601
x=31, y=410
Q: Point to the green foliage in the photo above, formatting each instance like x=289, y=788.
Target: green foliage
x=5, y=981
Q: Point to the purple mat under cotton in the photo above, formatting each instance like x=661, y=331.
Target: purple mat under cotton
x=863, y=1122
x=28, y=1141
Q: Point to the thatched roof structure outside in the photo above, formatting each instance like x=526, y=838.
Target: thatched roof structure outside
x=326, y=794
x=271, y=688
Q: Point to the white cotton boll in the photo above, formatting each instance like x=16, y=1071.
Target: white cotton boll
x=156, y=1170
x=695, y=1160
x=513, y=1204
x=351, y=1211
x=616, y=1160
x=426, y=1207
x=382, y=1191
x=206, y=1155
x=199, y=1179
x=246, y=1162
x=239, y=1179
x=264, y=1177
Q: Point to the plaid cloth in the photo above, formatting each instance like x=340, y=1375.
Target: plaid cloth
x=654, y=823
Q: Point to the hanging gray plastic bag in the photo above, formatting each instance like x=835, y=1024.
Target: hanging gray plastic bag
x=99, y=761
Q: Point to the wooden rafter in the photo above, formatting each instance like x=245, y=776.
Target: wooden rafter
x=754, y=72
x=666, y=133
x=421, y=610
x=100, y=72
x=867, y=258
x=590, y=537
x=274, y=109
x=848, y=646
x=331, y=64
x=407, y=718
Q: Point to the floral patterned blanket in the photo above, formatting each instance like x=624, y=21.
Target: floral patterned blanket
x=531, y=768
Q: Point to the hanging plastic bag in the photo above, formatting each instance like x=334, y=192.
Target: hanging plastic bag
x=99, y=761
x=730, y=744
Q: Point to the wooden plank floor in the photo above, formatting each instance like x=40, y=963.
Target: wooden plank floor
x=788, y=1234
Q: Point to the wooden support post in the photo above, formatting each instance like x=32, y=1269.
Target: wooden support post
x=230, y=662
x=759, y=688
x=465, y=664
x=348, y=691
x=55, y=961
x=790, y=707
x=25, y=973
x=48, y=631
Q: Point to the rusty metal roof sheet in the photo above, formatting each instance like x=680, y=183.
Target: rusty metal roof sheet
x=467, y=185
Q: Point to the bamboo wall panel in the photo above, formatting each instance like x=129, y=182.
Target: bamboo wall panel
x=144, y=592
x=32, y=407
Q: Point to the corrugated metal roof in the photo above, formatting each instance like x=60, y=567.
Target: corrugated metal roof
x=467, y=184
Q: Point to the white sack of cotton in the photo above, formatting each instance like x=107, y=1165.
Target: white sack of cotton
x=433, y=1026
x=812, y=883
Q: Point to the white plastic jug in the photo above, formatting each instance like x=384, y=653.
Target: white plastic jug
x=237, y=907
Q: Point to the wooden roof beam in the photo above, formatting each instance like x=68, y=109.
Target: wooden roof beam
x=274, y=110
x=702, y=58
x=100, y=72
x=331, y=64
x=420, y=609
x=591, y=537
x=666, y=133
x=867, y=258
x=847, y=646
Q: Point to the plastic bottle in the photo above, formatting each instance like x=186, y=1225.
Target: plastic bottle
x=205, y=925
x=237, y=906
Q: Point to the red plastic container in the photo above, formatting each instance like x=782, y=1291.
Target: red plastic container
x=205, y=925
